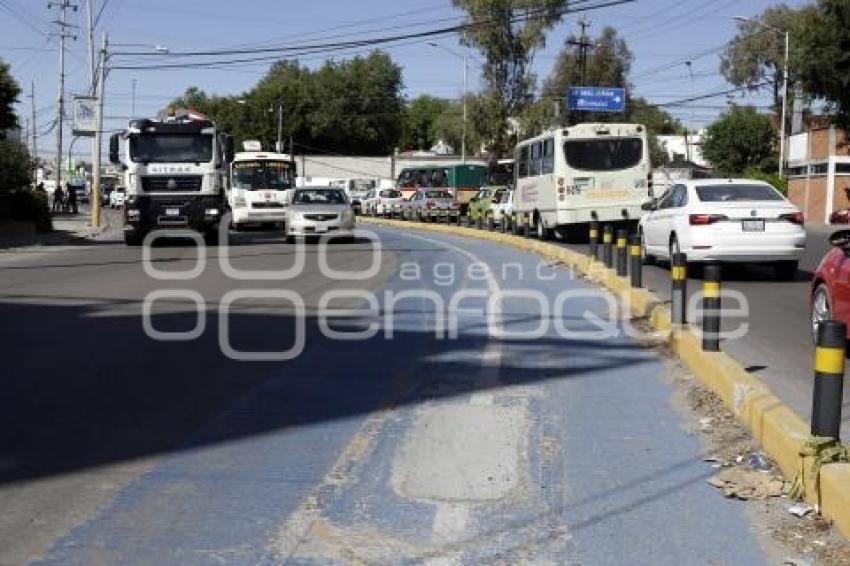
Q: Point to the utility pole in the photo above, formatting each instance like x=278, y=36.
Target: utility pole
x=34, y=136
x=62, y=6
x=465, y=96
x=584, y=23
x=687, y=141
x=279, y=145
x=101, y=84
x=132, y=99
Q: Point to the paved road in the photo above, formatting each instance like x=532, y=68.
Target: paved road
x=406, y=446
x=777, y=346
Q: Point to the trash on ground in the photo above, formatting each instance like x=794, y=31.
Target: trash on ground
x=745, y=484
x=759, y=461
x=800, y=509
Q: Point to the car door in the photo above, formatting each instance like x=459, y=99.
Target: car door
x=656, y=222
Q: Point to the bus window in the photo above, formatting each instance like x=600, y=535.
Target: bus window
x=534, y=163
x=603, y=154
x=522, y=162
x=548, y=156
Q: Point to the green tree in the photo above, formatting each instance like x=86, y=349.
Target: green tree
x=9, y=91
x=757, y=53
x=822, y=44
x=741, y=139
x=507, y=33
x=657, y=122
x=352, y=106
x=15, y=166
x=448, y=126
x=609, y=61
x=420, y=122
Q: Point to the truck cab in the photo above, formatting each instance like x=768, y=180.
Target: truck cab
x=175, y=172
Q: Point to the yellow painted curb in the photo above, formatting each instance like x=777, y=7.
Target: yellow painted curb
x=779, y=430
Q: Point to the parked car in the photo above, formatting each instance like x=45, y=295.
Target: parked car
x=314, y=211
x=724, y=220
x=482, y=205
x=117, y=197
x=382, y=202
x=840, y=216
x=431, y=205
x=830, y=291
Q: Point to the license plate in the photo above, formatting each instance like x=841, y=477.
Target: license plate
x=752, y=225
x=321, y=229
x=172, y=212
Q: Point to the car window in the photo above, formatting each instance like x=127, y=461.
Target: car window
x=679, y=198
x=390, y=193
x=737, y=193
x=548, y=156
x=665, y=200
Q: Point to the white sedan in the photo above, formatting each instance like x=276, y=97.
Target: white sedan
x=383, y=202
x=725, y=220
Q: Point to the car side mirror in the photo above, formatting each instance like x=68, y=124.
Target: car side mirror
x=114, y=149
x=840, y=239
x=648, y=206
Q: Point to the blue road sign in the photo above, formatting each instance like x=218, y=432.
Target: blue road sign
x=596, y=99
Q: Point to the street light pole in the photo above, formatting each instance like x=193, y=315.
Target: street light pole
x=98, y=134
x=784, y=108
x=465, y=58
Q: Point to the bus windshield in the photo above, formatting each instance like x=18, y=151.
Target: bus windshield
x=609, y=154
x=319, y=196
x=262, y=175
x=500, y=174
x=171, y=148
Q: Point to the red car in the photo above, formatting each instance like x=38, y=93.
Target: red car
x=840, y=217
x=831, y=283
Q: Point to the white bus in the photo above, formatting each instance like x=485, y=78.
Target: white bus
x=258, y=181
x=571, y=176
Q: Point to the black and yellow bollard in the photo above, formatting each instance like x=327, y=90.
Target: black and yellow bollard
x=622, y=253
x=608, y=246
x=829, y=379
x=636, y=267
x=593, y=238
x=679, y=288
x=711, y=308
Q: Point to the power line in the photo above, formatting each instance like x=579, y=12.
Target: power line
x=334, y=46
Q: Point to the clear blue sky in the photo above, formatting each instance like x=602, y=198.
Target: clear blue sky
x=661, y=33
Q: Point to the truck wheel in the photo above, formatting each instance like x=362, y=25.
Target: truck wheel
x=134, y=238
x=211, y=237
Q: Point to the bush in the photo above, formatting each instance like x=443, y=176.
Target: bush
x=31, y=206
x=774, y=179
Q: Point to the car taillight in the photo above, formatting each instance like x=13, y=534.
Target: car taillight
x=793, y=217
x=704, y=219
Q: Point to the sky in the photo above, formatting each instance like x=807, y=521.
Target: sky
x=662, y=34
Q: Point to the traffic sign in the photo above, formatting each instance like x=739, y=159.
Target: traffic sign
x=596, y=99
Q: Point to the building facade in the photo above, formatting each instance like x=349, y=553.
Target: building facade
x=818, y=171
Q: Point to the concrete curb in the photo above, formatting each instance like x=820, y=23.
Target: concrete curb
x=779, y=430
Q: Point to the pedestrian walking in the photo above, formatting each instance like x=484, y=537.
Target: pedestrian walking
x=72, y=198
x=57, y=199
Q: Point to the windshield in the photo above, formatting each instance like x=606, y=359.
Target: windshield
x=603, y=154
x=500, y=174
x=171, y=148
x=390, y=193
x=438, y=194
x=319, y=196
x=736, y=193
x=262, y=175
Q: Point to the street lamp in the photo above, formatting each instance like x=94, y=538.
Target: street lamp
x=465, y=92
x=784, y=86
